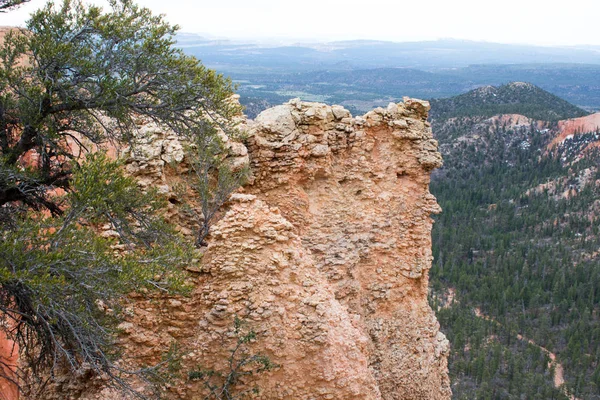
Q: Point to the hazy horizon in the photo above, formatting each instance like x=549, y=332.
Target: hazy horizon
x=268, y=41
x=522, y=22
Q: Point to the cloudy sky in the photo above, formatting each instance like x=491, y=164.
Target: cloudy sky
x=542, y=22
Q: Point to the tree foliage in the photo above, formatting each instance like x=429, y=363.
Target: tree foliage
x=61, y=282
x=77, y=78
x=212, y=178
x=6, y=5
x=79, y=73
x=512, y=244
x=222, y=385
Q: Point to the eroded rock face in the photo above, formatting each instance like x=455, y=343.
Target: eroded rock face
x=325, y=254
x=271, y=280
x=356, y=191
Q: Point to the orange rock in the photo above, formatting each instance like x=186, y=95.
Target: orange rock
x=9, y=357
x=589, y=123
x=325, y=255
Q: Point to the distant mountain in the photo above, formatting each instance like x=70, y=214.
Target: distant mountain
x=276, y=72
x=579, y=84
x=513, y=98
x=376, y=54
x=362, y=89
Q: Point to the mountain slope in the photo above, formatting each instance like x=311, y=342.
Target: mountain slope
x=513, y=98
x=517, y=253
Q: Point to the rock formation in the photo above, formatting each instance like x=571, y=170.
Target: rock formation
x=356, y=191
x=325, y=254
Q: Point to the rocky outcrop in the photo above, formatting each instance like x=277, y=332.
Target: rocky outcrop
x=356, y=192
x=324, y=254
x=568, y=129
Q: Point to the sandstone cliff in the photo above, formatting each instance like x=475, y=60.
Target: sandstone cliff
x=325, y=254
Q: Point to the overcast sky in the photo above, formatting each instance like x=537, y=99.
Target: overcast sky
x=543, y=22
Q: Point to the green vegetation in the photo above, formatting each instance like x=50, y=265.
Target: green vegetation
x=526, y=258
x=358, y=90
x=61, y=282
x=77, y=79
x=212, y=178
x=488, y=362
x=222, y=385
x=513, y=98
x=9, y=4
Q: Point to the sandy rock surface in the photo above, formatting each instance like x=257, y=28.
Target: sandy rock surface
x=324, y=254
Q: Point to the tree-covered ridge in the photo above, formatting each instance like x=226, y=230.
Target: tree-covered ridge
x=513, y=98
x=518, y=239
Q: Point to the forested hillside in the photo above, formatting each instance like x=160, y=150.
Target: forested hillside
x=516, y=274
x=513, y=98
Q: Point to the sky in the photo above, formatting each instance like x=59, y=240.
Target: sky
x=539, y=22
